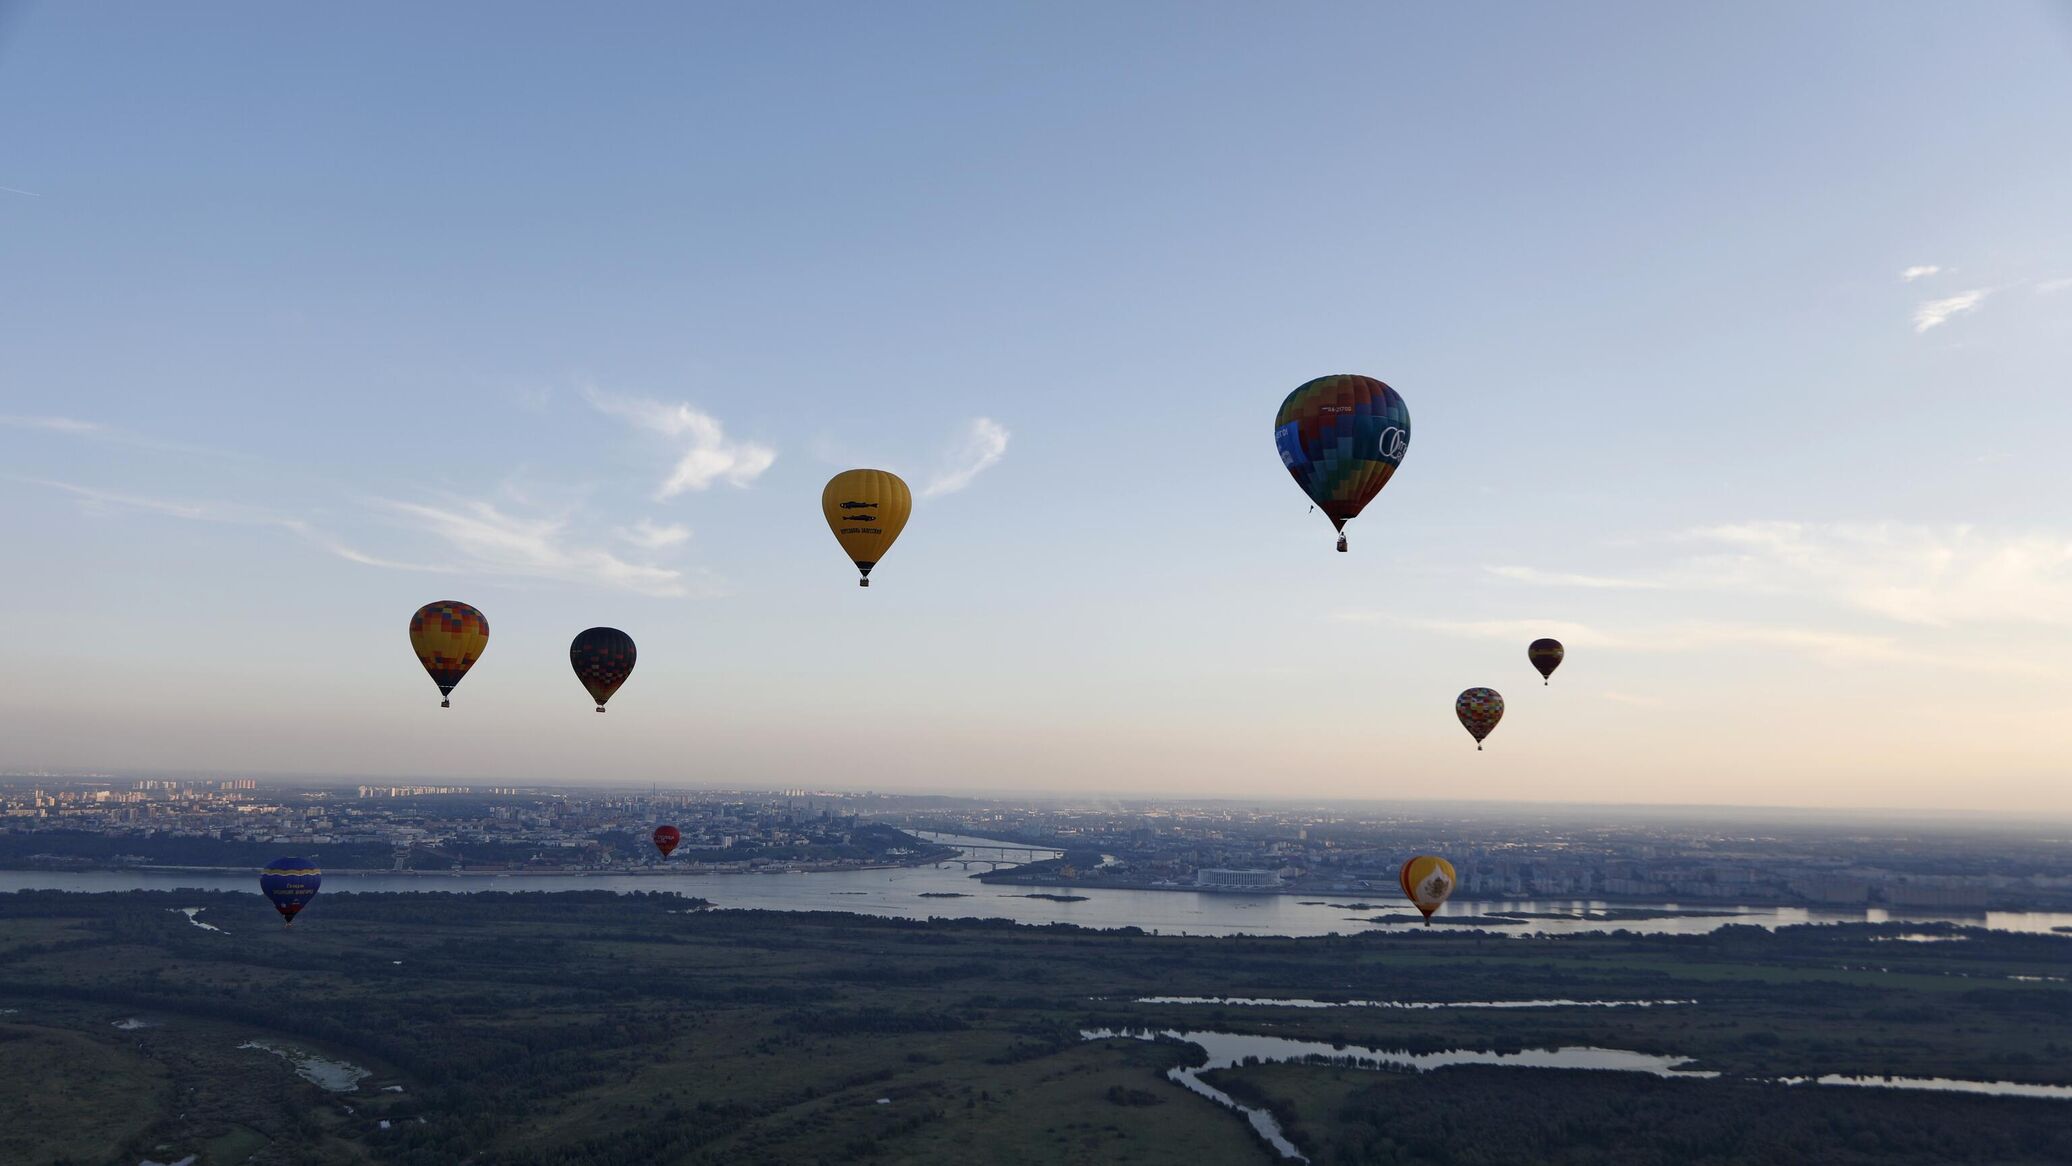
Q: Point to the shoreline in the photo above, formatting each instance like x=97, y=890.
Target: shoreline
x=571, y=872
x=1391, y=895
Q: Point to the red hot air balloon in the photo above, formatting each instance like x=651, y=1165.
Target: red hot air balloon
x=666, y=838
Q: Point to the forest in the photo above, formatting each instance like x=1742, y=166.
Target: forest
x=512, y=1029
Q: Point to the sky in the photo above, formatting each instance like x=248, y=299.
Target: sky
x=1736, y=340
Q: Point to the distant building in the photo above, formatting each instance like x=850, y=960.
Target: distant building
x=1832, y=889
x=1237, y=880
x=1949, y=896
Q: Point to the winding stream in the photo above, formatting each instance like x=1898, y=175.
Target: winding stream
x=1268, y=1002
x=1226, y=1050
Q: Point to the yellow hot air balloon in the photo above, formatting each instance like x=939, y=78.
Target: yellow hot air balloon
x=1428, y=882
x=866, y=509
x=448, y=637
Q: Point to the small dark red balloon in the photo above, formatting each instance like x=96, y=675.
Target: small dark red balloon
x=666, y=838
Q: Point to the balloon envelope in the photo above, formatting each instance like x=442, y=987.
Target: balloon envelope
x=1342, y=438
x=1479, y=709
x=1427, y=882
x=291, y=883
x=1545, y=656
x=603, y=659
x=666, y=838
x=866, y=509
x=448, y=637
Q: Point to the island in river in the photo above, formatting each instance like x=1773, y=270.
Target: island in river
x=532, y=1028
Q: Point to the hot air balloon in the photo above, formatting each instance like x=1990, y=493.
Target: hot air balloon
x=449, y=637
x=1342, y=437
x=666, y=838
x=1545, y=656
x=1479, y=709
x=603, y=659
x=1428, y=881
x=866, y=509
x=291, y=883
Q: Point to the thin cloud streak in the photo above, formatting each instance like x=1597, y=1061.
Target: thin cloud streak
x=2049, y=286
x=1618, y=697
x=229, y=514
x=1923, y=575
x=1909, y=573
x=1919, y=271
x=1836, y=649
x=96, y=431
x=710, y=457
x=53, y=424
x=1563, y=579
x=980, y=447
x=1936, y=313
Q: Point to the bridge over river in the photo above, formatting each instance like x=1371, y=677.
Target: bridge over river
x=987, y=852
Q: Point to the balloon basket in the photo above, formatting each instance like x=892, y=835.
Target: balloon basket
x=600, y=708
x=863, y=582
x=445, y=704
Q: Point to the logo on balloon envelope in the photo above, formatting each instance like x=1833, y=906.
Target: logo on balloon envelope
x=1289, y=438
x=1394, y=442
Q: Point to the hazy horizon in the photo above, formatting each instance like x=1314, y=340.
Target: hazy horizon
x=1684, y=812
x=1734, y=341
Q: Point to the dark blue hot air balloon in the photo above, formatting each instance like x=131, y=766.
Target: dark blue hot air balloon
x=291, y=883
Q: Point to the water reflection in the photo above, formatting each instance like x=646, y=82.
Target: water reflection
x=326, y=1074
x=1942, y=1084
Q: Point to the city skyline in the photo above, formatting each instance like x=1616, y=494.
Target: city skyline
x=1730, y=339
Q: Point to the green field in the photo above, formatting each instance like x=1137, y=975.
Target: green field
x=597, y=1028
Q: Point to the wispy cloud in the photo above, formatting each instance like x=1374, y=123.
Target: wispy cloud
x=1563, y=579
x=1618, y=697
x=709, y=455
x=2048, y=286
x=19, y=190
x=1935, y=313
x=104, y=500
x=649, y=536
x=52, y=424
x=1936, y=576
x=980, y=446
x=1919, y=271
x=498, y=543
x=99, y=432
x=1918, y=574
x=228, y=513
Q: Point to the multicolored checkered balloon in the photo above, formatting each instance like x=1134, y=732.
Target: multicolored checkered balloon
x=1479, y=709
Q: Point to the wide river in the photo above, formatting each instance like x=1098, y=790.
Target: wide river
x=900, y=892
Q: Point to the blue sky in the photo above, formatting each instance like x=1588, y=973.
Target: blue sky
x=1736, y=340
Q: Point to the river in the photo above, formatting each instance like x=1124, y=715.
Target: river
x=899, y=892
